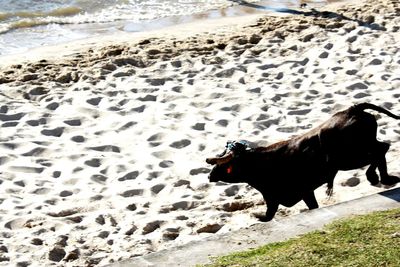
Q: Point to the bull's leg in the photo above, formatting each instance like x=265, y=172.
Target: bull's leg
x=330, y=176
x=310, y=200
x=379, y=152
x=379, y=162
x=372, y=177
x=272, y=208
x=386, y=179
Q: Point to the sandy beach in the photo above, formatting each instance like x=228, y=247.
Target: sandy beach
x=103, y=141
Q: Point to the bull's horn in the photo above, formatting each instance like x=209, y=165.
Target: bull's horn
x=220, y=160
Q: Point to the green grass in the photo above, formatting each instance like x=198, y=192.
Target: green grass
x=369, y=240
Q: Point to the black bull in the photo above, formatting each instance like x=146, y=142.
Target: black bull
x=289, y=171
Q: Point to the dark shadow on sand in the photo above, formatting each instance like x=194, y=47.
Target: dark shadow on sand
x=392, y=194
x=310, y=13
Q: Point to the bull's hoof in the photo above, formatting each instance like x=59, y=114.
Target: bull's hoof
x=373, y=178
x=262, y=217
x=390, y=180
x=329, y=192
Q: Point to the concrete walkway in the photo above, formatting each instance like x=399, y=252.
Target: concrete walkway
x=199, y=252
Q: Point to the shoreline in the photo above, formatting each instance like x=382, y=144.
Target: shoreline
x=164, y=24
x=104, y=141
x=90, y=31
x=55, y=52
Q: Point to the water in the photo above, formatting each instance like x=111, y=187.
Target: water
x=31, y=23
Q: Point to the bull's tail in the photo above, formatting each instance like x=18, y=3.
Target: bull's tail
x=363, y=106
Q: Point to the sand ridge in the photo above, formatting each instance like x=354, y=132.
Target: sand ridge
x=103, y=151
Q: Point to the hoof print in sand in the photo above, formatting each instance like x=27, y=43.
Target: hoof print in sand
x=351, y=182
x=57, y=254
x=129, y=176
x=107, y=148
x=132, y=193
x=56, y=132
x=157, y=188
x=98, y=178
x=78, y=139
x=53, y=106
x=180, y=144
x=199, y=126
x=93, y=163
x=151, y=227
x=199, y=171
x=131, y=207
x=11, y=117
x=170, y=234
x=210, y=228
x=166, y=164
x=94, y=101
x=236, y=205
x=76, y=122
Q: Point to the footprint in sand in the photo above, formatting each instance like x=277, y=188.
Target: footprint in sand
x=211, y=228
x=66, y=193
x=181, y=182
x=222, y=123
x=357, y=86
x=98, y=178
x=199, y=171
x=361, y=95
x=10, y=124
x=148, y=98
x=93, y=163
x=53, y=106
x=129, y=176
x=166, y=164
x=94, y=101
x=155, y=139
x=11, y=117
x=56, y=132
x=154, y=175
x=26, y=169
x=132, y=193
x=15, y=224
x=299, y=112
x=35, y=152
x=157, y=188
x=180, y=144
x=78, y=139
x=106, y=148
x=351, y=182
x=74, y=122
x=35, y=123
x=127, y=126
x=323, y=55
x=162, y=154
x=351, y=72
x=4, y=160
x=231, y=190
x=131, y=207
x=170, y=233
x=151, y=227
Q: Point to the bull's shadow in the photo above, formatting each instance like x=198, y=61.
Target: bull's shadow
x=310, y=13
x=392, y=194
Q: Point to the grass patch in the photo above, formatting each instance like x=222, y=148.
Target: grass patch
x=368, y=240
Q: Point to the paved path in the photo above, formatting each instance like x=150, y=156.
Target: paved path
x=259, y=234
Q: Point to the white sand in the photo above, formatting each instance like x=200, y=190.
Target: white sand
x=103, y=150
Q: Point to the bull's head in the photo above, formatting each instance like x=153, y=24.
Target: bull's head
x=227, y=163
